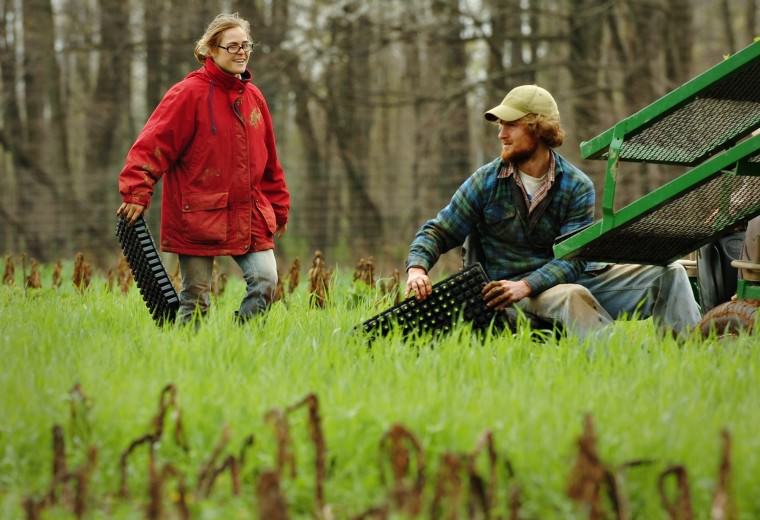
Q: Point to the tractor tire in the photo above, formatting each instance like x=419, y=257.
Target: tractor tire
x=730, y=318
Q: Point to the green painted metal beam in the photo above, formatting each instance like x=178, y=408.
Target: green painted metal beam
x=746, y=290
x=728, y=159
x=595, y=148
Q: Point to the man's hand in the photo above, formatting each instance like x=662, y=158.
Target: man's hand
x=501, y=294
x=281, y=230
x=131, y=212
x=418, y=282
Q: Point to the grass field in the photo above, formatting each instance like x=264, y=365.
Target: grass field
x=650, y=398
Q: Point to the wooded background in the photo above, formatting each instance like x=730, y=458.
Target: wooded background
x=377, y=104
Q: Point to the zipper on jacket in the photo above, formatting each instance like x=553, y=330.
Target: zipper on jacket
x=236, y=109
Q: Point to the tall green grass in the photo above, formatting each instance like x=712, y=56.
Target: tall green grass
x=651, y=397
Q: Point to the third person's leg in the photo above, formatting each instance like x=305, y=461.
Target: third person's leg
x=664, y=293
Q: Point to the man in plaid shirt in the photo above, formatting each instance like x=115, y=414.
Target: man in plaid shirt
x=517, y=205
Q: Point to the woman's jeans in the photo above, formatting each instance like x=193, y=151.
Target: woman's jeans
x=260, y=274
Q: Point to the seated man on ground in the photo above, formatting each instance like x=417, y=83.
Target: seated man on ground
x=518, y=204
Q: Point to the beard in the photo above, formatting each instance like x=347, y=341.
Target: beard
x=520, y=152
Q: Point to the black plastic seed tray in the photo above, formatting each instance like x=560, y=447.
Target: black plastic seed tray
x=148, y=270
x=457, y=295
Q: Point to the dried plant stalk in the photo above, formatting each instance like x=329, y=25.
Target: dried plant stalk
x=285, y=453
x=406, y=493
x=271, y=502
x=723, y=504
x=206, y=475
x=515, y=502
x=448, y=488
x=57, y=277
x=680, y=507
x=485, y=494
x=365, y=271
x=34, y=281
x=320, y=448
x=167, y=399
x=79, y=409
x=279, y=289
x=319, y=281
x=294, y=275
x=124, y=274
x=82, y=273
x=9, y=275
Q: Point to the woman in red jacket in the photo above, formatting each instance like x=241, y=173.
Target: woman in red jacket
x=224, y=191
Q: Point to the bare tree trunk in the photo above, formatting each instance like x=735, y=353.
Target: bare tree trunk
x=154, y=52
x=12, y=125
x=35, y=200
x=454, y=130
x=585, y=41
x=679, y=41
x=349, y=120
x=109, y=108
x=585, y=55
x=750, y=20
x=728, y=26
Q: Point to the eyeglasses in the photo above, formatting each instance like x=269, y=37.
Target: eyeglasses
x=234, y=48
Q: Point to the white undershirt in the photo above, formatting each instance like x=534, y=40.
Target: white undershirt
x=530, y=183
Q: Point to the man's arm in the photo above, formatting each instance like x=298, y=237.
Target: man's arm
x=439, y=235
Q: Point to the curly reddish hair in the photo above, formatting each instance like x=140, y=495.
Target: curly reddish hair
x=545, y=128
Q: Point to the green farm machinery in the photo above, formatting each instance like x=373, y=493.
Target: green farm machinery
x=710, y=126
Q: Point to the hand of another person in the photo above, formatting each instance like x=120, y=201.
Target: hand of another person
x=130, y=211
x=500, y=294
x=418, y=282
x=281, y=230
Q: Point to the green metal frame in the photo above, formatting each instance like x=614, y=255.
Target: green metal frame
x=746, y=290
x=733, y=158
x=595, y=148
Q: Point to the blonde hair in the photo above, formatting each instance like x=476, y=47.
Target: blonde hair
x=545, y=128
x=213, y=34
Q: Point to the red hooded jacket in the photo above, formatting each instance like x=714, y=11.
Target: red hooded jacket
x=224, y=191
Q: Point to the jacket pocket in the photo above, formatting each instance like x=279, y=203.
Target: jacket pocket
x=266, y=210
x=204, y=217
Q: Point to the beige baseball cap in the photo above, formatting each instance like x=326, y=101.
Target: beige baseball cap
x=524, y=100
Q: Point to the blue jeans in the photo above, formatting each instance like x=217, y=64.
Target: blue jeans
x=259, y=271
x=597, y=298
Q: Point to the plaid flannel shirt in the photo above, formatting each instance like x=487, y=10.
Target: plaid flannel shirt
x=517, y=244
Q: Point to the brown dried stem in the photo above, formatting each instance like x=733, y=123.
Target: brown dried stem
x=271, y=502
x=294, y=275
x=318, y=439
x=680, y=507
x=406, y=494
x=448, y=488
x=285, y=453
x=723, y=505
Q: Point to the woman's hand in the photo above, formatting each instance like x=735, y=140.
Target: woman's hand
x=281, y=230
x=131, y=212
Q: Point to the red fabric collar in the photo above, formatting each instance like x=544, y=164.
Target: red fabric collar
x=224, y=79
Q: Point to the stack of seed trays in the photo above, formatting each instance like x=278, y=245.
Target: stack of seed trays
x=148, y=271
x=459, y=295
